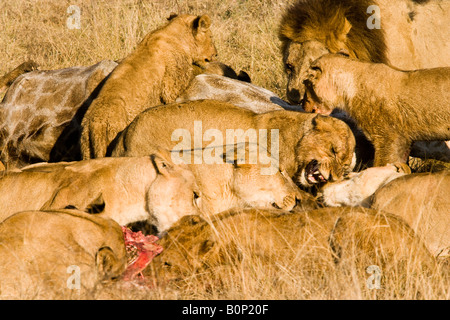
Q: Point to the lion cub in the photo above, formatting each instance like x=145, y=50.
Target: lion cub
x=310, y=148
x=155, y=73
x=393, y=107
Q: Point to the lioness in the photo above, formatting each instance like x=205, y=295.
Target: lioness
x=156, y=72
x=392, y=107
x=271, y=244
x=232, y=184
x=124, y=189
x=58, y=251
x=422, y=199
x=311, y=148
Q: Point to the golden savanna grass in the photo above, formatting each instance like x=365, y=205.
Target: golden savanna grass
x=245, y=34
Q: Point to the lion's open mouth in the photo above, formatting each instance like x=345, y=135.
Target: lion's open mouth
x=312, y=173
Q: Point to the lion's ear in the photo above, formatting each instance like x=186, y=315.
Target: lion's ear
x=343, y=30
x=106, y=262
x=321, y=123
x=202, y=24
x=172, y=16
x=347, y=27
x=162, y=162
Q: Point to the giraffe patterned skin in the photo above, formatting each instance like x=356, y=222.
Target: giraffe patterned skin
x=260, y=100
x=41, y=112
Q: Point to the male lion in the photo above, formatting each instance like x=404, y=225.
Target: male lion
x=392, y=107
x=413, y=35
x=55, y=252
x=156, y=72
x=312, y=148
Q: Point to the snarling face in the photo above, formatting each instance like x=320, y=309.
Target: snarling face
x=326, y=153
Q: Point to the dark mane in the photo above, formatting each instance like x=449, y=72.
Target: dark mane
x=323, y=20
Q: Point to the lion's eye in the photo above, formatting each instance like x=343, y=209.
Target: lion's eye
x=196, y=198
x=316, y=68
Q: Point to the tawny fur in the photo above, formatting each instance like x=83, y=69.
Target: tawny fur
x=226, y=186
x=413, y=35
x=155, y=73
x=392, y=107
x=422, y=200
x=310, y=146
x=124, y=189
x=260, y=100
x=42, y=111
x=38, y=249
x=297, y=242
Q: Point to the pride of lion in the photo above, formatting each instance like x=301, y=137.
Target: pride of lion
x=226, y=174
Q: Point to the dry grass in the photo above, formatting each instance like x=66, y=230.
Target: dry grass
x=245, y=33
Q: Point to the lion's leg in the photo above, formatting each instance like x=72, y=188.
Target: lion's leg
x=93, y=140
x=98, y=138
x=388, y=151
x=85, y=144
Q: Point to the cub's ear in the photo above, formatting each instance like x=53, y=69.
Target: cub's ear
x=96, y=206
x=190, y=220
x=162, y=163
x=202, y=24
x=172, y=15
x=321, y=123
x=106, y=262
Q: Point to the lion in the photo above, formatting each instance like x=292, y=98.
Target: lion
x=311, y=149
x=413, y=35
x=232, y=184
x=126, y=190
x=393, y=107
x=278, y=245
x=357, y=189
x=422, y=200
x=9, y=78
x=57, y=251
x=155, y=73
